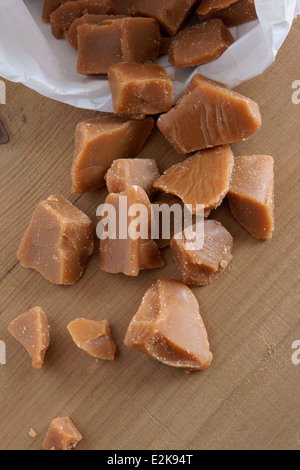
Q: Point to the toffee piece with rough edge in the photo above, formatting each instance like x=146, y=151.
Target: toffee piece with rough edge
x=251, y=194
x=231, y=12
x=99, y=141
x=201, y=263
x=93, y=337
x=209, y=114
x=62, y=435
x=168, y=327
x=58, y=241
x=32, y=331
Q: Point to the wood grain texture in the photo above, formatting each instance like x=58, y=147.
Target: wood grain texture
x=249, y=398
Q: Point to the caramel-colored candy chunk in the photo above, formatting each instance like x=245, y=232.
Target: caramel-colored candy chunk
x=140, y=89
x=49, y=7
x=32, y=330
x=171, y=14
x=62, y=18
x=132, y=172
x=94, y=337
x=119, y=40
x=200, y=44
x=231, y=12
x=62, y=435
x=72, y=34
x=58, y=241
x=122, y=7
x=168, y=327
x=202, y=179
x=100, y=141
x=209, y=114
x=126, y=253
x=251, y=194
x=201, y=263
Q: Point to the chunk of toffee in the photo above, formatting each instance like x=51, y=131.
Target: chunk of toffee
x=32, y=330
x=62, y=18
x=201, y=263
x=72, y=34
x=202, y=179
x=140, y=89
x=171, y=14
x=251, y=194
x=209, y=114
x=49, y=7
x=100, y=141
x=119, y=40
x=58, y=241
x=200, y=44
x=168, y=327
x=231, y=12
x=124, y=254
x=132, y=172
x=62, y=435
x=122, y=7
x=94, y=337
x=165, y=44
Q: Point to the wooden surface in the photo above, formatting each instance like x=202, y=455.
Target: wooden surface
x=249, y=398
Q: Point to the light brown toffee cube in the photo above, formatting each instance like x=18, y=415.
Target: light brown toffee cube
x=168, y=327
x=251, y=194
x=118, y=40
x=100, y=141
x=124, y=254
x=201, y=179
x=94, y=337
x=140, y=89
x=231, y=12
x=132, y=172
x=209, y=114
x=200, y=265
x=32, y=330
x=58, y=241
x=200, y=44
x=62, y=435
x=62, y=18
x=171, y=14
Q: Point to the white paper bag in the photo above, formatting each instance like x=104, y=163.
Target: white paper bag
x=29, y=54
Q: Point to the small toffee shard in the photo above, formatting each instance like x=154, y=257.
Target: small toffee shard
x=168, y=327
x=32, y=330
x=62, y=435
x=209, y=114
x=100, y=141
x=251, y=194
x=201, y=263
x=201, y=179
x=94, y=337
x=125, y=254
x=231, y=12
x=58, y=241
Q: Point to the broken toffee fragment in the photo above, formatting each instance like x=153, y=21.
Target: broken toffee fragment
x=32, y=330
x=62, y=18
x=140, y=89
x=231, y=12
x=123, y=253
x=72, y=34
x=132, y=172
x=200, y=44
x=116, y=40
x=94, y=337
x=209, y=114
x=200, y=263
x=100, y=141
x=62, y=435
x=251, y=194
x=168, y=327
x=201, y=179
x=58, y=241
x=49, y=7
x=171, y=14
